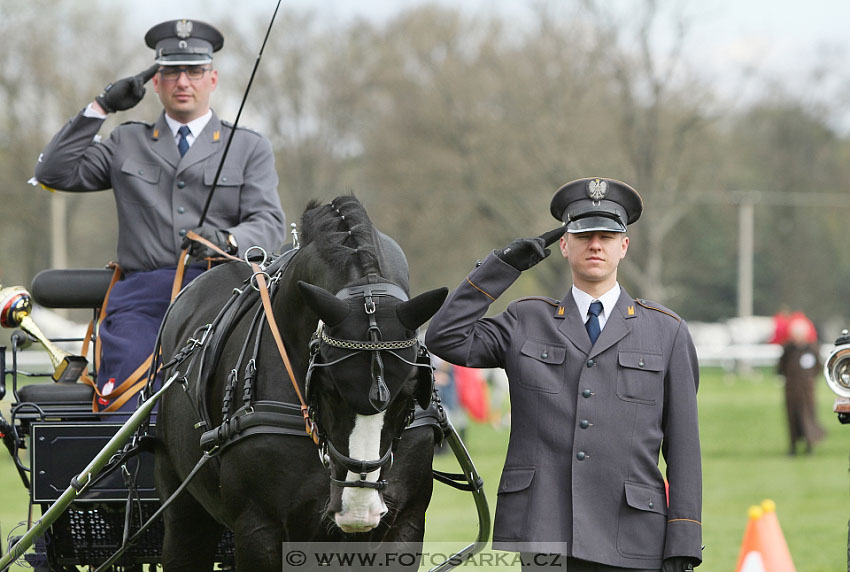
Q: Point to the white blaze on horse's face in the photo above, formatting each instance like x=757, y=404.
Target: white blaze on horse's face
x=362, y=508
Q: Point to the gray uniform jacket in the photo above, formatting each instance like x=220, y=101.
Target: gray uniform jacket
x=587, y=422
x=160, y=195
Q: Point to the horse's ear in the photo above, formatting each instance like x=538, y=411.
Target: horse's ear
x=419, y=309
x=328, y=307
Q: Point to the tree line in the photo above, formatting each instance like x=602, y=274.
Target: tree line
x=455, y=129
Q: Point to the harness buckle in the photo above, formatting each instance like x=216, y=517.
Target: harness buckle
x=369, y=304
x=195, y=342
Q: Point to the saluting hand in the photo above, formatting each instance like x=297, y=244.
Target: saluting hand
x=523, y=253
x=125, y=93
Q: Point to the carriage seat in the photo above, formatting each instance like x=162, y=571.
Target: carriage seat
x=54, y=402
x=73, y=288
x=71, y=393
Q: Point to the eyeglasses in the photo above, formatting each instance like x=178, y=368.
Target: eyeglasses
x=171, y=73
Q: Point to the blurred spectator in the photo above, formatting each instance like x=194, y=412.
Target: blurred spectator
x=472, y=392
x=500, y=412
x=780, y=326
x=444, y=380
x=782, y=322
x=800, y=365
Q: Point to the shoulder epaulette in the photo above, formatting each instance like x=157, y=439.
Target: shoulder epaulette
x=550, y=301
x=248, y=129
x=145, y=123
x=657, y=307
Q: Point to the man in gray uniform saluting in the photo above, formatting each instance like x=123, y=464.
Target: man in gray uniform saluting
x=161, y=175
x=600, y=382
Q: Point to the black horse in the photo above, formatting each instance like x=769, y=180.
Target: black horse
x=341, y=306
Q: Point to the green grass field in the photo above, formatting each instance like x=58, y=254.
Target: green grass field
x=744, y=443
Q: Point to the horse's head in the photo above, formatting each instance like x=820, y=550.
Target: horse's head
x=367, y=369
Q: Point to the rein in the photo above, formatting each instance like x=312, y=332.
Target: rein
x=309, y=424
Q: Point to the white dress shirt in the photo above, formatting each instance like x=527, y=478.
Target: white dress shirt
x=608, y=299
x=195, y=126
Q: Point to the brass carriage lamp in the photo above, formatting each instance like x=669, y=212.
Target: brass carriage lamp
x=15, y=310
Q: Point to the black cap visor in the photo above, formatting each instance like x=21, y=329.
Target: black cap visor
x=592, y=223
x=183, y=56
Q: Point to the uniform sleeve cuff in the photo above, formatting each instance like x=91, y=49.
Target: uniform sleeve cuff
x=684, y=538
x=493, y=276
x=90, y=111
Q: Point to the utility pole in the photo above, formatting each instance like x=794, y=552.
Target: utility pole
x=746, y=239
x=746, y=201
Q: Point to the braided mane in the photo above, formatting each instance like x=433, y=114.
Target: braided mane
x=342, y=233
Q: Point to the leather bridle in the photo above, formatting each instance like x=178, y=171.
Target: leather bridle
x=379, y=393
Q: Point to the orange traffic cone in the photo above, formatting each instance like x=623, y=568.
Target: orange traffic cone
x=764, y=548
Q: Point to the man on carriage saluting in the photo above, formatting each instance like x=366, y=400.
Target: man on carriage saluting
x=161, y=175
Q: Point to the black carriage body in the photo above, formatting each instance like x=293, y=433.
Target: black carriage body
x=91, y=530
x=61, y=450
x=93, y=527
x=55, y=423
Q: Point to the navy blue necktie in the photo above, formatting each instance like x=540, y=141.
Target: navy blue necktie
x=592, y=324
x=183, y=143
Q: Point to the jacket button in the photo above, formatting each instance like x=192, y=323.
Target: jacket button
x=181, y=210
x=586, y=393
x=584, y=424
x=591, y=362
x=544, y=355
x=651, y=504
x=641, y=363
x=141, y=171
x=182, y=232
x=580, y=456
x=181, y=184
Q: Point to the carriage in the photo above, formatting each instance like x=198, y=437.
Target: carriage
x=94, y=476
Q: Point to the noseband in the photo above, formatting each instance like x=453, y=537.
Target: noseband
x=379, y=393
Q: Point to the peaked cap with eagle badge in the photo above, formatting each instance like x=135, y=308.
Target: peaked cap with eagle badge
x=596, y=204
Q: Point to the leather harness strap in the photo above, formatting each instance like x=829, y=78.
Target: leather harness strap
x=259, y=276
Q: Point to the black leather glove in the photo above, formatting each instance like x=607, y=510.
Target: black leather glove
x=679, y=564
x=125, y=93
x=523, y=253
x=221, y=238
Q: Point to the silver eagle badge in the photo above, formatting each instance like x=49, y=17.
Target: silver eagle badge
x=597, y=189
x=183, y=28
